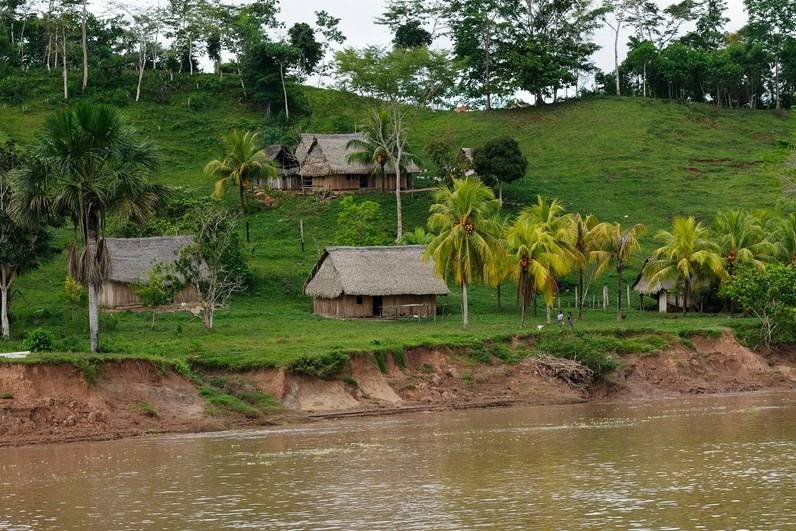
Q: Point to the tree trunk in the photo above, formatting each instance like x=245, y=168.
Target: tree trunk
x=581, y=294
x=93, y=317
x=399, y=227
x=85, y=48
x=498, y=295
x=616, y=57
x=687, y=299
x=5, y=284
x=152, y=325
x=619, y=294
x=242, y=189
x=548, y=316
x=65, y=74
x=141, y=67
x=500, y=192
x=465, y=307
x=284, y=89
x=776, y=82
x=240, y=78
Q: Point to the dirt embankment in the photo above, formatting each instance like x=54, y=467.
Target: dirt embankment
x=41, y=403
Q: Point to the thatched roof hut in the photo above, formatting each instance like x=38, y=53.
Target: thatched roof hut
x=287, y=177
x=131, y=260
x=323, y=162
x=374, y=282
x=666, y=291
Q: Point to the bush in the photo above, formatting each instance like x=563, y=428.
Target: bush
x=39, y=340
x=323, y=366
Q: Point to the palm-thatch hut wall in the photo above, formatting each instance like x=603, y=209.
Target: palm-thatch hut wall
x=287, y=177
x=363, y=282
x=131, y=261
x=324, y=166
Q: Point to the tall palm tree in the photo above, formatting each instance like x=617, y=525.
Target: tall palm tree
x=373, y=147
x=617, y=247
x=385, y=142
x=687, y=254
x=466, y=245
x=537, y=261
x=742, y=240
x=85, y=166
x=244, y=160
x=584, y=244
x=552, y=218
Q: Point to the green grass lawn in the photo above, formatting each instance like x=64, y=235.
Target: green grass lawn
x=627, y=160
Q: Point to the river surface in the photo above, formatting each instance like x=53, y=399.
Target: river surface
x=722, y=462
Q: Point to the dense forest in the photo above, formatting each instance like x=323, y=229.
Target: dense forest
x=476, y=52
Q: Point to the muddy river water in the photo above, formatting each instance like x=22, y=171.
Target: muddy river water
x=722, y=462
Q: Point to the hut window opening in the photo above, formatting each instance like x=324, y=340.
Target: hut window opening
x=359, y=300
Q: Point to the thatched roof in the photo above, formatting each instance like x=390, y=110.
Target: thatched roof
x=373, y=271
x=284, y=159
x=645, y=287
x=323, y=155
x=133, y=258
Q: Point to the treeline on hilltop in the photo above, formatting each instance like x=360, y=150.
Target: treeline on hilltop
x=497, y=48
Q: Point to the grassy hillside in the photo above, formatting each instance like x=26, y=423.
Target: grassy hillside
x=628, y=160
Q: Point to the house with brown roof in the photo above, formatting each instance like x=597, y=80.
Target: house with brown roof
x=324, y=166
x=131, y=260
x=383, y=282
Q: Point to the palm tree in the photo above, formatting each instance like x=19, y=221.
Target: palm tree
x=85, y=166
x=466, y=245
x=243, y=162
x=742, y=240
x=687, y=254
x=537, y=261
x=584, y=242
x=385, y=142
x=552, y=218
x=617, y=246
x=373, y=147
x=785, y=233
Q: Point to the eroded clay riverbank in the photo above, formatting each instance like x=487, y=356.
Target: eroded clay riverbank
x=55, y=403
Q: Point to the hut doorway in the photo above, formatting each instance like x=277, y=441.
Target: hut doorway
x=378, y=303
x=363, y=181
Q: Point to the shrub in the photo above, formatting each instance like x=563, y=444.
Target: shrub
x=39, y=340
x=146, y=409
x=381, y=361
x=480, y=354
x=348, y=380
x=323, y=366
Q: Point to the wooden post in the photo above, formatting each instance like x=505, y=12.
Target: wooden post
x=628, y=295
x=301, y=229
x=248, y=234
x=577, y=298
x=605, y=298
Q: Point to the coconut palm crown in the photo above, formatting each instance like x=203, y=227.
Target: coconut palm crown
x=244, y=161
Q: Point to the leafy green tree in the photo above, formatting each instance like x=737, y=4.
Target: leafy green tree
x=448, y=157
x=466, y=246
x=329, y=29
x=310, y=51
x=774, y=21
x=769, y=294
x=359, y=223
x=499, y=161
x=617, y=247
x=159, y=289
x=687, y=254
x=22, y=247
x=784, y=230
x=538, y=261
x=244, y=160
x=214, y=264
x=86, y=165
x=412, y=35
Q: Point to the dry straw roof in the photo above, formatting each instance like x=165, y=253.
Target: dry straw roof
x=645, y=287
x=133, y=258
x=323, y=155
x=373, y=271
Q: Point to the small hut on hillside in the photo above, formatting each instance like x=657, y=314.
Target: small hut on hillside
x=323, y=166
x=467, y=153
x=131, y=261
x=385, y=282
x=287, y=177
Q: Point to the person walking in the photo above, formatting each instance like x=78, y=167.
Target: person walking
x=571, y=322
x=560, y=318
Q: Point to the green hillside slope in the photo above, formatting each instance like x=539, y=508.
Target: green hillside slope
x=627, y=160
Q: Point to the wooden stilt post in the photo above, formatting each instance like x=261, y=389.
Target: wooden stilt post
x=301, y=229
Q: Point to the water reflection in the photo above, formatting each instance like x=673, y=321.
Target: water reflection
x=708, y=462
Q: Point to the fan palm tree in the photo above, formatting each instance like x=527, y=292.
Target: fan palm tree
x=243, y=161
x=466, y=245
x=617, y=247
x=742, y=240
x=85, y=166
x=537, y=261
x=584, y=244
x=687, y=254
